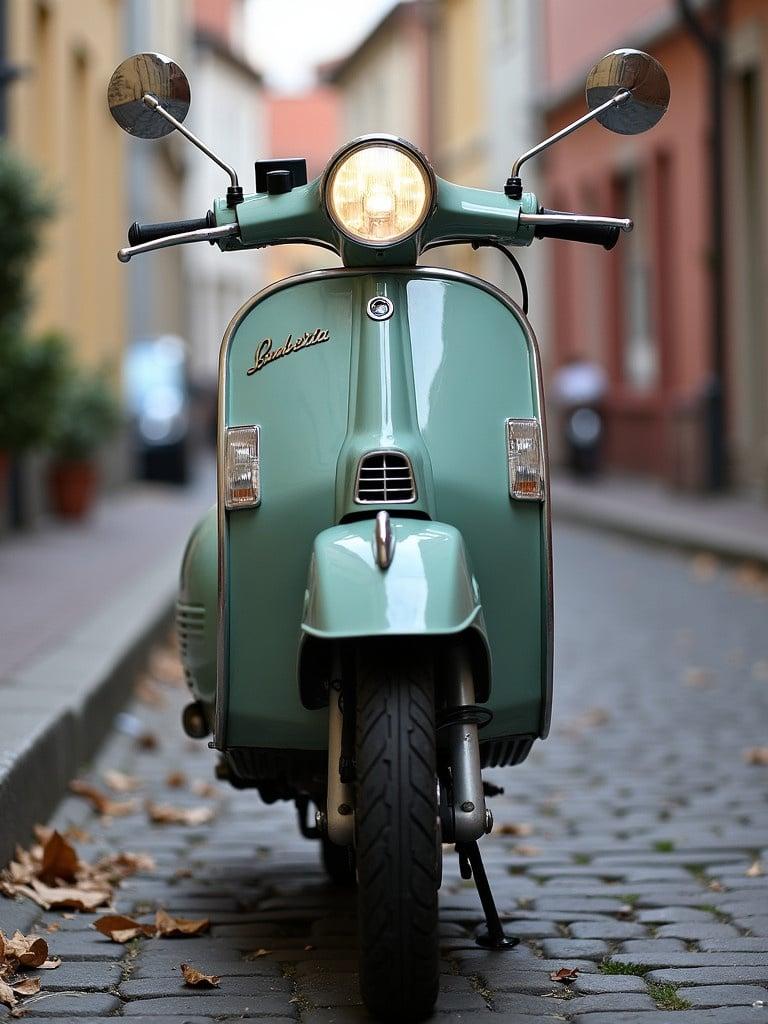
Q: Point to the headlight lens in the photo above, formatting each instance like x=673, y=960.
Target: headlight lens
x=378, y=193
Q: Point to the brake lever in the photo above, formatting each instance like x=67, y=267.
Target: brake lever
x=202, y=235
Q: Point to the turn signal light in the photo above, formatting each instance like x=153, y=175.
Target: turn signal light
x=242, y=485
x=525, y=458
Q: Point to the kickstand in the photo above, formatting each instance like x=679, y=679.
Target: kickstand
x=471, y=863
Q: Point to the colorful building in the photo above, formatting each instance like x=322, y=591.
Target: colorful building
x=645, y=311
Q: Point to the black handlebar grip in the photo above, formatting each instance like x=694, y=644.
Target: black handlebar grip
x=138, y=233
x=595, y=234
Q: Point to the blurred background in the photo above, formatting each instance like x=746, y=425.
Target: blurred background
x=112, y=369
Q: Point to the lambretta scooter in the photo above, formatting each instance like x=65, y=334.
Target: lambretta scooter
x=365, y=619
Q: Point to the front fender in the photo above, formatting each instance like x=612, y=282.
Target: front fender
x=427, y=590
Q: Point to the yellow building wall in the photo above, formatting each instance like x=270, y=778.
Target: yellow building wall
x=59, y=122
x=461, y=109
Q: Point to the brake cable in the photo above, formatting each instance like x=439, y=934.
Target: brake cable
x=490, y=243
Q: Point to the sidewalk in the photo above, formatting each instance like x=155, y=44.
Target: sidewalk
x=732, y=527
x=79, y=605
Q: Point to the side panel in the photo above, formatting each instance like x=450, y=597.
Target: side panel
x=300, y=401
x=474, y=366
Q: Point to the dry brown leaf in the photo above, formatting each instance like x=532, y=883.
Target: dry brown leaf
x=120, y=782
x=183, y=873
x=257, y=954
x=102, y=803
x=564, y=974
x=756, y=755
x=176, y=780
x=201, y=787
x=25, y=950
x=167, y=814
x=117, y=866
x=59, y=860
x=54, y=926
x=27, y=987
x=79, y=898
x=147, y=741
x=696, y=676
x=165, y=666
x=7, y=995
x=77, y=835
x=197, y=979
x=716, y=886
x=148, y=692
x=513, y=828
x=755, y=870
x=50, y=965
x=169, y=927
x=525, y=850
x=704, y=567
x=122, y=929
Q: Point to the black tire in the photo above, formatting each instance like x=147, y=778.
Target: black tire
x=339, y=862
x=396, y=821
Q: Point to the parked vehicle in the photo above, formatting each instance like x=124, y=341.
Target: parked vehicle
x=366, y=618
x=158, y=402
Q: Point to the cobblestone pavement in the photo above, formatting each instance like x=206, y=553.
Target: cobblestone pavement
x=643, y=866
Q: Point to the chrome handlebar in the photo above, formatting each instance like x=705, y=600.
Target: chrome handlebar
x=575, y=219
x=202, y=235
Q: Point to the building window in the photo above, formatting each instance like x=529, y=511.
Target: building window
x=640, y=356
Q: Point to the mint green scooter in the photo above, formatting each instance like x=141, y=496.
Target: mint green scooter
x=365, y=619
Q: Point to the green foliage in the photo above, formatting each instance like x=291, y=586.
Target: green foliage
x=664, y=846
x=666, y=996
x=616, y=967
x=24, y=209
x=87, y=415
x=31, y=375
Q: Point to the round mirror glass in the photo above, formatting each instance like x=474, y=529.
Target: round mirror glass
x=145, y=73
x=643, y=76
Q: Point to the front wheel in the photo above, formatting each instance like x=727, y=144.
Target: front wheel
x=396, y=831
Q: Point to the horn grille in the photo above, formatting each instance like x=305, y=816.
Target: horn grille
x=385, y=477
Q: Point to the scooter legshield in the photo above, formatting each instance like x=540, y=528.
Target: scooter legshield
x=327, y=383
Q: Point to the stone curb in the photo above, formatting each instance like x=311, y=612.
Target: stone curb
x=58, y=708
x=651, y=525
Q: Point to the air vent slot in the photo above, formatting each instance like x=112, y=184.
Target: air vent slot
x=385, y=477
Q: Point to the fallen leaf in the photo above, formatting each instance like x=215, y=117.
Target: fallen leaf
x=149, y=693
x=169, y=927
x=515, y=829
x=524, y=850
x=755, y=870
x=704, y=567
x=176, y=780
x=166, y=814
x=117, y=866
x=49, y=897
x=183, y=873
x=50, y=965
x=122, y=929
x=257, y=954
x=564, y=974
x=756, y=755
x=53, y=926
x=165, y=665
x=7, y=995
x=120, y=782
x=695, y=676
x=27, y=987
x=201, y=787
x=716, y=886
x=197, y=979
x=59, y=860
x=101, y=803
x=147, y=741
x=25, y=950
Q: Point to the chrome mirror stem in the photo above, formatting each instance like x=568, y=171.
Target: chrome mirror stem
x=621, y=97
x=155, y=105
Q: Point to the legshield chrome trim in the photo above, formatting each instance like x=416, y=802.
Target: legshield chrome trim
x=222, y=679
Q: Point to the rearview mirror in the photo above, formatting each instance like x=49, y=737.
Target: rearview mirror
x=153, y=74
x=643, y=77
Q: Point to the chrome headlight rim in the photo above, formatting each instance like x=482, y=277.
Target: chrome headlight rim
x=366, y=142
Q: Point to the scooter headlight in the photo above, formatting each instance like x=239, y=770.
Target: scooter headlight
x=378, y=191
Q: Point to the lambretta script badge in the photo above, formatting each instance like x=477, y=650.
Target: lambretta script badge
x=265, y=354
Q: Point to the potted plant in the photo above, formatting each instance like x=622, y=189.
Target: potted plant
x=87, y=416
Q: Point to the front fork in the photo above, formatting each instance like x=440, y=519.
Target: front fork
x=463, y=814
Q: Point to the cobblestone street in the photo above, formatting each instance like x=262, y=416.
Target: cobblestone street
x=632, y=846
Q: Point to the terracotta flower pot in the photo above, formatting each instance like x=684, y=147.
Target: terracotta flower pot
x=73, y=488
